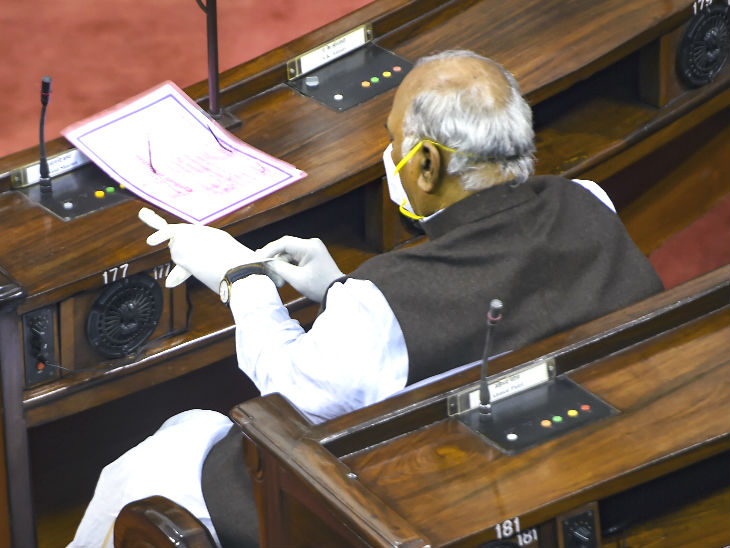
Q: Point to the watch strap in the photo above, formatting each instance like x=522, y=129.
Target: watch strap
x=240, y=272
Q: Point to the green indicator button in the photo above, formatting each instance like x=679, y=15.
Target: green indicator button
x=557, y=418
x=375, y=79
x=109, y=189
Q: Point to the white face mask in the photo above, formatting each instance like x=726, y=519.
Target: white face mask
x=395, y=186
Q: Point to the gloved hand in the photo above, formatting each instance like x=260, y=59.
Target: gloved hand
x=205, y=252
x=305, y=264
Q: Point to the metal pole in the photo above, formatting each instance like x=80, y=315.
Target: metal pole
x=212, y=21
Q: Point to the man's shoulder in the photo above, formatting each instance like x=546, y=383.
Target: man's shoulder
x=583, y=195
x=554, y=184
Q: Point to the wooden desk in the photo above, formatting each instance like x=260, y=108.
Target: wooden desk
x=607, y=106
x=403, y=472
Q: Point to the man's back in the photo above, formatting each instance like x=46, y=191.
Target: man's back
x=553, y=253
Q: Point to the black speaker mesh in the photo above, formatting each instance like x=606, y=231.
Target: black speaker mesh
x=703, y=50
x=124, y=315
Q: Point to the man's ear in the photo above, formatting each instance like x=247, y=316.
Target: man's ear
x=429, y=175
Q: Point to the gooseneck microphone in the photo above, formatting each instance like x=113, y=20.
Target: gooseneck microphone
x=493, y=316
x=45, y=180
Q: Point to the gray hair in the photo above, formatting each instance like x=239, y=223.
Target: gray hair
x=467, y=120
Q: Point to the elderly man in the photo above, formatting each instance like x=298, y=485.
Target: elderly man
x=460, y=162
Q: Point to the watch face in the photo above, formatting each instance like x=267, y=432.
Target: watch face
x=223, y=291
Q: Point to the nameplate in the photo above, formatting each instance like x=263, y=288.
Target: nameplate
x=335, y=48
x=58, y=164
x=503, y=385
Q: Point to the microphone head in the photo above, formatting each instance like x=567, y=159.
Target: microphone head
x=45, y=89
x=495, y=311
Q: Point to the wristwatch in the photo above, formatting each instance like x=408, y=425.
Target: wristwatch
x=235, y=274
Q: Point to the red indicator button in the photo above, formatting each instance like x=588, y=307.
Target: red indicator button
x=585, y=407
x=397, y=68
x=40, y=366
x=546, y=423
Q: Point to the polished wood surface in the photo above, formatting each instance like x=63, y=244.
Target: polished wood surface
x=595, y=74
x=683, y=527
x=157, y=522
x=402, y=471
x=411, y=473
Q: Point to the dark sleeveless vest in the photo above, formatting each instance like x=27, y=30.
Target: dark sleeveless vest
x=548, y=249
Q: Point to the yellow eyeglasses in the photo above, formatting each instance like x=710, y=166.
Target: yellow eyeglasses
x=416, y=148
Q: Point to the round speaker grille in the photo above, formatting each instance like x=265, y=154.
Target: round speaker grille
x=703, y=49
x=124, y=315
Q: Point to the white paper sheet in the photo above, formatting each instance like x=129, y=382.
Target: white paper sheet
x=164, y=148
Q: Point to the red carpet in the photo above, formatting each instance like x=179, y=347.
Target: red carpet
x=100, y=52
x=701, y=247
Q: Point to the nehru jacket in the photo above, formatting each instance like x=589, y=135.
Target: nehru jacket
x=547, y=248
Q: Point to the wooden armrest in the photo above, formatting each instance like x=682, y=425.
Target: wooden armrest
x=161, y=523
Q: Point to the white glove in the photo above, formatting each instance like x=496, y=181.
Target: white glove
x=205, y=252
x=306, y=265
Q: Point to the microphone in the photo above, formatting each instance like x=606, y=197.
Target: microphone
x=45, y=180
x=45, y=89
x=493, y=316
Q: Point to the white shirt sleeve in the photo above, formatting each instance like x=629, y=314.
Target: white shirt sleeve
x=353, y=355
x=597, y=191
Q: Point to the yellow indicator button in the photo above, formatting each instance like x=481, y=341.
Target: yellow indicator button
x=572, y=413
x=545, y=423
x=99, y=193
x=387, y=74
x=365, y=84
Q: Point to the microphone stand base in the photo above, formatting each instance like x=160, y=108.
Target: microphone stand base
x=226, y=119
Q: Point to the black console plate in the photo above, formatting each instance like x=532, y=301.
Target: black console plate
x=73, y=193
x=515, y=423
x=343, y=77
